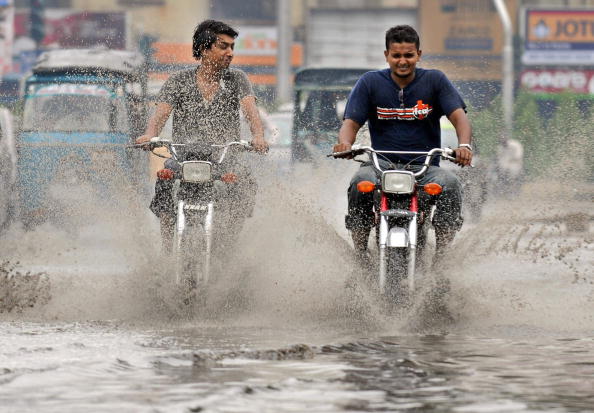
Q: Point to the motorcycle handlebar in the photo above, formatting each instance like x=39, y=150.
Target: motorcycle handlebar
x=445, y=153
x=158, y=142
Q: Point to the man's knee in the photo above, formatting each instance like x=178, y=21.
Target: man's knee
x=448, y=180
x=360, y=209
x=448, y=217
x=162, y=202
x=358, y=219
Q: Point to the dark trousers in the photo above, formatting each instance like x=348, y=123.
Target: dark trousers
x=240, y=195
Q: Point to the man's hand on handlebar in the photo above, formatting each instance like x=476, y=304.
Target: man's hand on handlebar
x=260, y=145
x=143, y=140
x=463, y=156
x=342, y=147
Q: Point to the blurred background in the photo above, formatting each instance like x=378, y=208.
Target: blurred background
x=553, y=41
x=525, y=67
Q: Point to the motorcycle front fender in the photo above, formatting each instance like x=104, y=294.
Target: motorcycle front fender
x=398, y=238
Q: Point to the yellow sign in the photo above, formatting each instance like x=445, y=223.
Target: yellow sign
x=560, y=26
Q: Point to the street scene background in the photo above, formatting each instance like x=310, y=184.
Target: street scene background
x=89, y=317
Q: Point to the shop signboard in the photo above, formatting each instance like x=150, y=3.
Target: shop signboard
x=71, y=28
x=257, y=41
x=6, y=35
x=557, y=81
x=558, y=37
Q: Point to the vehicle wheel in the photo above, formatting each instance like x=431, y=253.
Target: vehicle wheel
x=423, y=237
x=396, y=289
x=189, y=249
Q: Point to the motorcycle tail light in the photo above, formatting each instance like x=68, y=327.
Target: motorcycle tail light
x=365, y=186
x=229, y=178
x=196, y=171
x=165, y=174
x=432, y=188
x=398, y=182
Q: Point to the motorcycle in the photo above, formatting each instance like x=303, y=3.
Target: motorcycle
x=403, y=214
x=199, y=181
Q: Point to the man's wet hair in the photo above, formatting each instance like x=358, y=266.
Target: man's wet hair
x=205, y=35
x=402, y=34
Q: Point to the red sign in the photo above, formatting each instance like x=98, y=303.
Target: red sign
x=556, y=81
x=68, y=28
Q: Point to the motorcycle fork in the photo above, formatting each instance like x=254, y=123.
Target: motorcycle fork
x=412, y=240
x=208, y=219
x=181, y=227
x=383, y=236
x=413, y=237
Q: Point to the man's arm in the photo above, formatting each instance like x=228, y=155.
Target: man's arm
x=250, y=110
x=156, y=122
x=346, y=135
x=464, y=133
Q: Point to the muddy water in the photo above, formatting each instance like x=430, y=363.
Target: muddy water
x=89, y=322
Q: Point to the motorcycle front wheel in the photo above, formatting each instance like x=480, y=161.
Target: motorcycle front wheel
x=396, y=289
x=191, y=258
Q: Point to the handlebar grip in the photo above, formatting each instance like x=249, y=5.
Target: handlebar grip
x=449, y=154
x=139, y=145
x=352, y=152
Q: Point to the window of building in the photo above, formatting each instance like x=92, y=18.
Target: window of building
x=256, y=11
x=53, y=4
x=141, y=3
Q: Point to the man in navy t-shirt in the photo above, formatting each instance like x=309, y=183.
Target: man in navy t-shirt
x=402, y=106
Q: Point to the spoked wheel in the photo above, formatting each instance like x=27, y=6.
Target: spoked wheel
x=396, y=288
x=191, y=260
x=421, y=255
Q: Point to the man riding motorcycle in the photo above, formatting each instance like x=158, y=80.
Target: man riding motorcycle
x=403, y=106
x=205, y=102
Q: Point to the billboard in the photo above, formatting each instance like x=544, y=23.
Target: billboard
x=70, y=28
x=558, y=37
x=556, y=81
x=6, y=35
x=256, y=40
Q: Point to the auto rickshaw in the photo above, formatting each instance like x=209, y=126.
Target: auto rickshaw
x=82, y=108
x=320, y=96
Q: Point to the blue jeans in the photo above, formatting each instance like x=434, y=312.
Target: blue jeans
x=448, y=206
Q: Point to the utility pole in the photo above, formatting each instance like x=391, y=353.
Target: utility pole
x=37, y=23
x=283, y=54
x=508, y=70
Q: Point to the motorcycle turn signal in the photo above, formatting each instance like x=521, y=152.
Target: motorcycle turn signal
x=432, y=188
x=165, y=174
x=229, y=178
x=365, y=186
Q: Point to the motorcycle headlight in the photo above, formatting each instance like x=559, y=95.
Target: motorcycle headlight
x=398, y=182
x=196, y=171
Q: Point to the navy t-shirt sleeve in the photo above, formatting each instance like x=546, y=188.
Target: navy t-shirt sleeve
x=357, y=107
x=449, y=98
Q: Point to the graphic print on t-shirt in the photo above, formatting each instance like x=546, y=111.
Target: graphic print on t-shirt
x=420, y=111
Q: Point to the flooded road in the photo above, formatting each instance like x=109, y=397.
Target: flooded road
x=107, y=367
x=94, y=326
